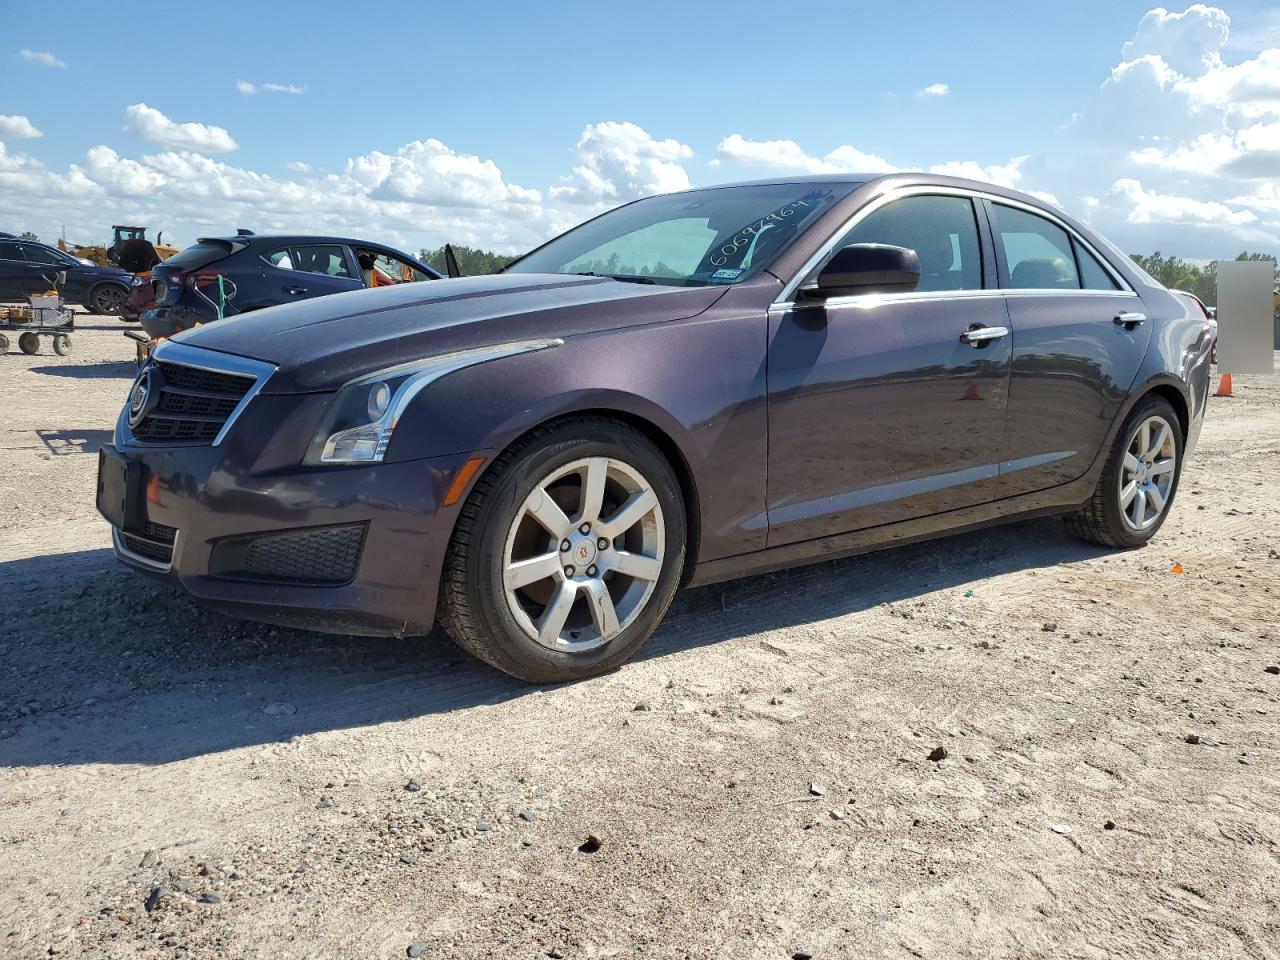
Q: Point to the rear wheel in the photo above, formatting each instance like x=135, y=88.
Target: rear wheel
x=1139, y=480
x=107, y=298
x=61, y=344
x=567, y=553
x=4, y=343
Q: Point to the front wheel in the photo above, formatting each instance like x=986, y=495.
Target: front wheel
x=1139, y=480
x=567, y=553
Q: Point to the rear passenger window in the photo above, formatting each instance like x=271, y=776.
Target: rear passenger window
x=329, y=260
x=280, y=259
x=1037, y=253
x=1093, y=276
x=941, y=230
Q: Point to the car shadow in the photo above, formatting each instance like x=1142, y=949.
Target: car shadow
x=106, y=666
x=98, y=370
x=63, y=442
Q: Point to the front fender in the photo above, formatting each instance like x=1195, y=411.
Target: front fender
x=698, y=383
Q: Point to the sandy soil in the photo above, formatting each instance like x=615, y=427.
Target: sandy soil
x=759, y=779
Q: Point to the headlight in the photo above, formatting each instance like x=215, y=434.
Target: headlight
x=358, y=425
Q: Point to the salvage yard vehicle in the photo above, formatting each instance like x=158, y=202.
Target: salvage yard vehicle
x=28, y=267
x=688, y=388
x=264, y=271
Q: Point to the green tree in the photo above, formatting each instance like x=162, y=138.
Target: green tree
x=28, y=235
x=472, y=262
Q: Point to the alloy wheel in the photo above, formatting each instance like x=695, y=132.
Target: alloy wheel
x=109, y=300
x=1146, y=477
x=583, y=554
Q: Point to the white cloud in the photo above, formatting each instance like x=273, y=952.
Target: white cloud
x=244, y=86
x=18, y=127
x=297, y=166
x=42, y=57
x=428, y=171
x=1145, y=206
x=786, y=156
x=934, y=90
x=621, y=161
x=1185, y=41
x=150, y=124
x=1002, y=174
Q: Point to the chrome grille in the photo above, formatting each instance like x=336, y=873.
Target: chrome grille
x=200, y=392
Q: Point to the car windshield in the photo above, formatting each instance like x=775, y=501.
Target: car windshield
x=697, y=238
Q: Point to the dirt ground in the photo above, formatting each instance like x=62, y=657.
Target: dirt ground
x=177, y=784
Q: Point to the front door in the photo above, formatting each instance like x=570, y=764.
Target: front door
x=878, y=410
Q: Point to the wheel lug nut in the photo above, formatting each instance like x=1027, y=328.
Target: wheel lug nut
x=585, y=528
x=564, y=546
x=592, y=571
x=568, y=571
x=602, y=543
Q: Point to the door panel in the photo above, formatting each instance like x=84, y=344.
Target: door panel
x=878, y=412
x=1072, y=366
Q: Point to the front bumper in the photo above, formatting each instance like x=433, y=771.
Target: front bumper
x=211, y=500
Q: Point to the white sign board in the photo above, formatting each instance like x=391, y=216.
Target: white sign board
x=1246, y=306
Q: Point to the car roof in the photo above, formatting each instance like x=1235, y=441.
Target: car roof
x=295, y=238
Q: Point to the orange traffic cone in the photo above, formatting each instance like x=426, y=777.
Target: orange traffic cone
x=1224, y=387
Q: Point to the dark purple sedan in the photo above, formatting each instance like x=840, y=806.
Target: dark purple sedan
x=688, y=388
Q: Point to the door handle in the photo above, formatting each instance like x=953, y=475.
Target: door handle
x=1129, y=320
x=295, y=290
x=981, y=336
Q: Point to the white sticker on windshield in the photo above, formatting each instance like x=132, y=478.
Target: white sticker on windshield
x=726, y=274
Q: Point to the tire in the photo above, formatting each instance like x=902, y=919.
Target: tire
x=29, y=343
x=4, y=343
x=107, y=298
x=497, y=622
x=1107, y=518
x=61, y=344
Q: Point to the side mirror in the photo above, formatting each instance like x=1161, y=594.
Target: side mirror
x=866, y=268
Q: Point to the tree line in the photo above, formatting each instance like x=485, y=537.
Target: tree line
x=1178, y=274
x=472, y=261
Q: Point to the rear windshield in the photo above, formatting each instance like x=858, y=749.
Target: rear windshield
x=200, y=255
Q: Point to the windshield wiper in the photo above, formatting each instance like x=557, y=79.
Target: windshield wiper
x=623, y=277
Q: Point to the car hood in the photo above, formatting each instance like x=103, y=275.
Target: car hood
x=322, y=343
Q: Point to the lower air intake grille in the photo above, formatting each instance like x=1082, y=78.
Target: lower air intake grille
x=319, y=556
x=155, y=542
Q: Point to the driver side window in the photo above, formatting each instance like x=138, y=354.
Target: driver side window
x=943, y=232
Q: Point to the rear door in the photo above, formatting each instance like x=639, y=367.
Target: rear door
x=1079, y=336
x=302, y=271
x=878, y=409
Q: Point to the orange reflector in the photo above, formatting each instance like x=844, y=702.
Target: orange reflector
x=153, y=489
x=459, y=485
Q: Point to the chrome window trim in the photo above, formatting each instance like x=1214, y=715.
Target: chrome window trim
x=213, y=362
x=786, y=299
x=118, y=542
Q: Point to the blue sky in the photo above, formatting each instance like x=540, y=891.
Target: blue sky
x=418, y=125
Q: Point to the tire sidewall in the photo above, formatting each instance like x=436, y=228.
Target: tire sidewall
x=1111, y=475
x=523, y=656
